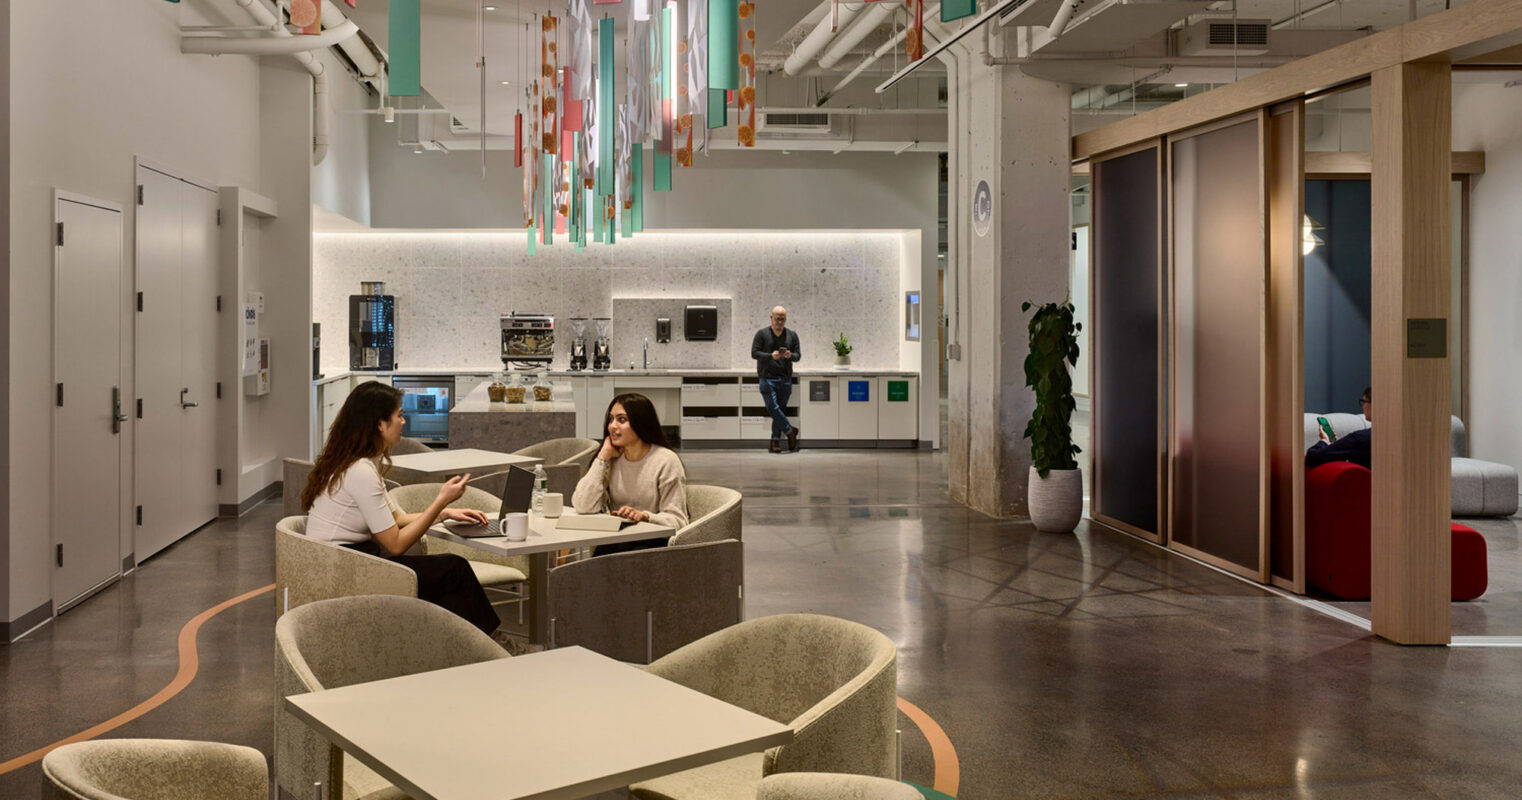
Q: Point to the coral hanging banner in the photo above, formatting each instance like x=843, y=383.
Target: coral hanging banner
x=747, y=94
x=549, y=85
x=518, y=139
x=307, y=15
x=404, y=48
x=914, y=38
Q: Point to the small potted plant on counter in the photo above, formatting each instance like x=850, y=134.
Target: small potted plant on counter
x=1055, y=491
x=842, y=351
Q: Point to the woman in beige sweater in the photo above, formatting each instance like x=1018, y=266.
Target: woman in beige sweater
x=635, y=475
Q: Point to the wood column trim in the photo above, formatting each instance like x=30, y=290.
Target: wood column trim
x=1411, y=170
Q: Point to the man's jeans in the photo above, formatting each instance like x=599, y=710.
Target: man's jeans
x=776, y=392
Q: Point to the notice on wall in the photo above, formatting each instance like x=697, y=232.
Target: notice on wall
x=898, y=391
x=250, y=339
x=982, y=208
x=819, y=391
x=859, y=391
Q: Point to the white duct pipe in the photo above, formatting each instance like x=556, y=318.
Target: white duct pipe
x=358, y=52
x=1064, y=14
x=870, y=60
x=817, y=40
x=277, y=45
x=852, y=36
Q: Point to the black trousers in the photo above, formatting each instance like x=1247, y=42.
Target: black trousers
x=625, y=547
x=445, y=580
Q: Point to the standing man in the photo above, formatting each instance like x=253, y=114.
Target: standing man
x=775, y=348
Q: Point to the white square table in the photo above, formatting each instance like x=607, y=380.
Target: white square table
x=557, y=724
x=441, y=464
x=544, y=538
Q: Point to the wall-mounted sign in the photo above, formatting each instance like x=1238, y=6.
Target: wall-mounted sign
x=898, y=391
x=982, y=208
x=1427, y=338
x=819, y=391
x=858, y=391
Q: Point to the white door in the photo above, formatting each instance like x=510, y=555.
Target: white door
x=174, y=453
x=87, y=418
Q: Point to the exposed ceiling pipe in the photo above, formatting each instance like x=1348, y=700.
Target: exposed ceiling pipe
x=852, y=36
x=355, y=48
x=881, y=51
x=277, y=45
x=1064, y=14
x=818, y=39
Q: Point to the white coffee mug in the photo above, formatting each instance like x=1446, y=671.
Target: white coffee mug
x=516, y=529
x=554, y=503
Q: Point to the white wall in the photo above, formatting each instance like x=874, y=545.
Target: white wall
x=97, y=84
x=341, y=183
x=1489, y=118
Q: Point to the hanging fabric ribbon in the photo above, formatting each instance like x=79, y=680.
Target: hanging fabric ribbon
x=307, y=15
x=914, y=38
x=665, y=144
x=697, y=75
x=637, y=90
x=549, y=87
x=747, y=94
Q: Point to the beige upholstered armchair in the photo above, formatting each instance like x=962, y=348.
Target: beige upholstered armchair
x=640, y=605
x=565, y=461
x=832, y=680
x=154, y=769
x=409, y=446
x=341, y=642
x=828, y=786
x=493, y=571
x=293, y=480
x=308, y=569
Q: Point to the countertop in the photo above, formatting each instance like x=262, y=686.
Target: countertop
x=477, y=402
x=653, y=372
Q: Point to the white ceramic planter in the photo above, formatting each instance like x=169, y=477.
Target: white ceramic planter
x=1056, y=501
x=842, y=361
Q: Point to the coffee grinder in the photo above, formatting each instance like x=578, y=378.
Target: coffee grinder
x=578, y=343
x=602, y=357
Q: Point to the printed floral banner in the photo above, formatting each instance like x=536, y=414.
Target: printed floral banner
x=666, y=142
x=549, y=86
x=747, y=93
x=914, y=39
x=307, y=15
x=697, y=77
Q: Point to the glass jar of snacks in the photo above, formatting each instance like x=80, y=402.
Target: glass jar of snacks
x=515, y=389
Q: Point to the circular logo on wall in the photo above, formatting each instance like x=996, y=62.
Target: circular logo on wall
x=982, y=208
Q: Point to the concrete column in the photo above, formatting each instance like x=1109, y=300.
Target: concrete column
x=1011, y=131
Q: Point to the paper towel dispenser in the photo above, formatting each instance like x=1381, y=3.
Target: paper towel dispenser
x=701, y=323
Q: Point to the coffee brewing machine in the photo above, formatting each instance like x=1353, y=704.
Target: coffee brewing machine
x=372, y=328
x=578, y=343
x=528, y=340
x=602, y=356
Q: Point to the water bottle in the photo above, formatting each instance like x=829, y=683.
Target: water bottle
x=541, y=486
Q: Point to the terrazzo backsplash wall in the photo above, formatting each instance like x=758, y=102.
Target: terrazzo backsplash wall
x=452, y=287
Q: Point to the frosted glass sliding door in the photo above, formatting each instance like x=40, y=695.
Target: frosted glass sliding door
x=1127, y=287
x=1219, y=480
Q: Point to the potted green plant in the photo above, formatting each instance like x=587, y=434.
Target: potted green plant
x=842, y=351
x=1054, y=493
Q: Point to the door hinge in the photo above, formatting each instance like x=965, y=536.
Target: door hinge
x=140, y=408
x=59, y=555
x=60, y=395
x=139, y=194
x=219, y=477
x=219, y=390
x=219, y=304
x=139, y=301
x=140, y=515
x=60, y=234
x=219, y=219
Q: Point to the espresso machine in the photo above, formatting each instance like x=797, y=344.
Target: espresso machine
x=602, y=357
x=372, y=328
x=578, y=343
x=528, y=340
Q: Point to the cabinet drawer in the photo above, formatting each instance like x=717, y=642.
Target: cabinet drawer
x=710, y=394
x=710, y=427
x=754, y=427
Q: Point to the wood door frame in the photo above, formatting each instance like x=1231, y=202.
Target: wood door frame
x=123, y=474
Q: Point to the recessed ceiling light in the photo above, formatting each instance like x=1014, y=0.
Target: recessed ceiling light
x=488, y=8
x=506, y=83
x=1180, y=85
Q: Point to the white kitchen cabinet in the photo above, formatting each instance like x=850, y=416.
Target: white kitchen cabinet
x=819, y=407
x=858, y=408
x=701, y=428
x=465, y=384
x=330, y=398
x=898, y=408
x=599, y=395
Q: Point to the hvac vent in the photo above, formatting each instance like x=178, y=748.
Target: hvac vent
x=1222, y=37
x=795, y=122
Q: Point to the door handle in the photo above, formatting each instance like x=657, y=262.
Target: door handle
x=184, y=404
x=117, y=417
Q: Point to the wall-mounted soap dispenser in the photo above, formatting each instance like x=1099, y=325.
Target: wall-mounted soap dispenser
x=662, y=329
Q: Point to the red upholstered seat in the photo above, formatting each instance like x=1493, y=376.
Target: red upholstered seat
x=1337, y=550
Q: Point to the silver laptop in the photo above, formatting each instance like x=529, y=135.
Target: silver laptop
x=517, y=493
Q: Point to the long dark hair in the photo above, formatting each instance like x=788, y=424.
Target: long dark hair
x=355, y=435
x=642, y=418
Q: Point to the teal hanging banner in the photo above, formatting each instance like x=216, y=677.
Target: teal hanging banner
x=718, y=108
x=531, y=244
x=723, y=46
x=638, y=213
x=599, y=212
x=956, y=9
x=606, y=106
x=551, y=180
x=404, y=53
x=573, y=224
x=662, y=176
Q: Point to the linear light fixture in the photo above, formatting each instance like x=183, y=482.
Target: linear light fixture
x=947, y=42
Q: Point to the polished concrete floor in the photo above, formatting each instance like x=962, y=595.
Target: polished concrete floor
x=1088, y=665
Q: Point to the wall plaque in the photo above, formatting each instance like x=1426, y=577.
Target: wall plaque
x=858, y=391
x=898, y=391
x=819, y=391
x=1427, y=338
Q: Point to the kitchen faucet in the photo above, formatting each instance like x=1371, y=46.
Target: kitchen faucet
x=647, y=352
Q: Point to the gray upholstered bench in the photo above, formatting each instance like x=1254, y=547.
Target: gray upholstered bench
x=1479, y=488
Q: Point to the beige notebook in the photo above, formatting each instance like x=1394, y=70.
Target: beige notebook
x=591, y=522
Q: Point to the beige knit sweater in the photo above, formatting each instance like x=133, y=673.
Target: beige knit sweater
x=656, y=484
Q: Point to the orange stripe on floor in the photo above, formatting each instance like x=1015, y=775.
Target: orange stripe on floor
x=189, y=663
x=948, y=771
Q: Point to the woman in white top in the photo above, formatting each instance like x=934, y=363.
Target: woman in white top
x=347, y=504
x=635, y=475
